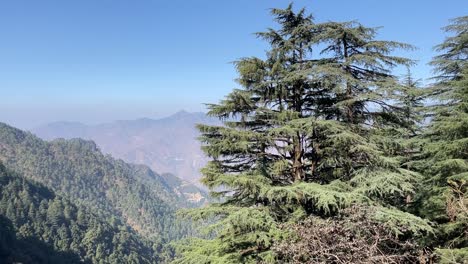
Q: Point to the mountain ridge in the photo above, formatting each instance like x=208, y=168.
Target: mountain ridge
x=166, y=145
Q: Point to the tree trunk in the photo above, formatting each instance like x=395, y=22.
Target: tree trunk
x=349, y=92
x=298, y=170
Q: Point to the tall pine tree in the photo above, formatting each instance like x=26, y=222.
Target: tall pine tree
x=302, y=137
x=445, y=196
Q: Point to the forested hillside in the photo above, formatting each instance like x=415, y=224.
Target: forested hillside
x=112, y=189
x=38, y=226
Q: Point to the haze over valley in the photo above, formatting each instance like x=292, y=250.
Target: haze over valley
x=166, y=145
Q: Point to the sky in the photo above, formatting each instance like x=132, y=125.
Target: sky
x=95, y=61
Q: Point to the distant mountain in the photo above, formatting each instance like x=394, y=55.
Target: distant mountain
x=165, y=145
x=77, y=170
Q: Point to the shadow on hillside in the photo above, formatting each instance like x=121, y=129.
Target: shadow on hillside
x=30, y=249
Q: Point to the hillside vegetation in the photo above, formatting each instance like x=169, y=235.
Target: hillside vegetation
x=39, y=226
x=133, y=208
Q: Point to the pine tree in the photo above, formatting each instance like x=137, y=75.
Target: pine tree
x=302, y=137
x=402, y=141
x=445, y=196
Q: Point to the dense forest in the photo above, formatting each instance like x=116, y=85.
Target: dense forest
x=326, y=156
x=68, y=234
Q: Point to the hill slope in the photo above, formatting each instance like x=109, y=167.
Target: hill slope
x=77, y=170
x=38, y=226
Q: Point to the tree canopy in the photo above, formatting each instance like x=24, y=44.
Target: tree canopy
x=444, y=198
x=306, y=134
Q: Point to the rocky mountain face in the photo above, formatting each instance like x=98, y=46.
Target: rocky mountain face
x=167, y=145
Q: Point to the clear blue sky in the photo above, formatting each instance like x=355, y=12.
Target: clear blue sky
x=101, y=60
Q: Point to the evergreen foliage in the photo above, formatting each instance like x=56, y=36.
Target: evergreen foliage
x=444, y=198
x=28, y=250
x=77, y=170
x=40, y=227
x=131, y=196
x=305, y=136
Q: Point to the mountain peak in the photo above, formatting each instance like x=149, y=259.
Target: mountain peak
x=167, y=144
x=181, y=113
x=185, y=114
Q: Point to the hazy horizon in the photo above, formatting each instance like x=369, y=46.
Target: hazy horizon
x=99, y=61
x=87, y=122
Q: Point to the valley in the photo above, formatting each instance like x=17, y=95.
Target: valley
x=80, y=181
